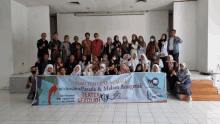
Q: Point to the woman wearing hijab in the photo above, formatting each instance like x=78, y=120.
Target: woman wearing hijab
x=124, y=69
x=145, y=63
x=163, y=48
x=102, y=70
x=183, y=81
x=76, y=71
x=111, y=70
x=84, y=63
x=134, y=62
x=141, y=47
x=139, y=68
x=105, y=60
x=117, y=47
x=134, y=44
x=125, y=59
x=157, y=61
x=88, y=71
x=108, y=48
x=156, y=68
x=125, y=47
x=49, y=70
x=114, y=61
x=152, y=47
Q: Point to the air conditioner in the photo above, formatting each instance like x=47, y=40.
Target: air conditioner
x=109, y=14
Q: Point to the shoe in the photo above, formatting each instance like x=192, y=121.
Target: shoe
x=190, y=98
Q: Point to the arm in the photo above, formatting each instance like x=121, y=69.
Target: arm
x=39, y=45
x=134, y=46
x=61, y=47
x=187, y=77
x=180, y=40
x=161, y=64
x=50, y=45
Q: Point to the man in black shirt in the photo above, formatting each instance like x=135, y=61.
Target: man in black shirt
x=42, y=46
x=70, y=65
x=54, y=42
x=44, y=63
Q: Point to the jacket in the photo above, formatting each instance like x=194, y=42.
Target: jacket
x=175, y=45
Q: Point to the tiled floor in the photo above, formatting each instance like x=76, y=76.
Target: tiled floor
x=15, y=109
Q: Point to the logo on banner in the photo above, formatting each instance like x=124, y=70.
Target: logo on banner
x=116, y=95
x=151, y=95
x=104, y=97
x=154, y=81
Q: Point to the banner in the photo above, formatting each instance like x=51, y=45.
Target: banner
x=134, y=87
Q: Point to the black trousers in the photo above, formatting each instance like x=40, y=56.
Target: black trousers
x=88, y=57
x=175, y=56
x=164, y=59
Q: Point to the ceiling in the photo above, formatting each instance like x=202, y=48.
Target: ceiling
x=64, y=6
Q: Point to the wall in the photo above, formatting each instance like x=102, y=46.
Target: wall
x=6, y=63
x=53, y=26
x=213, y=34
x=152, y=23
x=38, y=22
x=202, y=35
x=19, y=37
x=184, y=21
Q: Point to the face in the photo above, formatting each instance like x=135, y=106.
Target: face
x=102, y=67
x=33, y=69
x=155, y=69
x=109, y=40
x=173, y=33
x=117, y=38
x=55, y=36
x=112, y=67
x=168, y=58
x=72, y=57
x=84, y=58
x=139, y=68
x=59, y=60
x=140, y=38
x=62, y=71
x=49, y=69
x=142, y=57
x=163, y=37
x=124, y=66
x=66, y=39
x=114, y=56
x=46, y=57
x=134, y=56
x=96, y=35
x=76, y=39
x=55, y=48
x=126, y=57
x=77, y=69
x=181, y=66
x=105, y=56
x=124, y=38
x=96, y=59
x=133, y=37
x=154, y=57
x=43, y=36
x=87, y=36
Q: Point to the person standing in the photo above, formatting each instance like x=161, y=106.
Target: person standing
x=173, y=45
x=117, y=47
x=163, y=48
x=141, y=47
x=86, y=46
x=76, y=49
x=97, y=46
x=134, y=44
x=32, y=80
x=152, y=48
x=125, y=46
x=108, y=48
x=65, y=48
x=42, y=45
x=54, y=43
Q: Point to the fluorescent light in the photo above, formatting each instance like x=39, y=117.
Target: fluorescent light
x=109, y=14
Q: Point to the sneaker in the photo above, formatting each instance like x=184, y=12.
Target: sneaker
x=190, y=98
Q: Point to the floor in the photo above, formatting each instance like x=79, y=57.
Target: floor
x=15, y=109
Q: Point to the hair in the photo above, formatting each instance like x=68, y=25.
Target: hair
x=135, y=37
x=173, y=30
x=32, y=67
x=46, y=54
x=43, y=33
x=165, y=37
x=55, y=33
x=66, y=36
x=138, y=66
x=96, y=33
x=153, y=38
x=125, y=38
x=87, y=33
x=61, y=68
x=142, y=37
x=115, y=37
x=56, y=63
x=86, y=62
x=109, y=38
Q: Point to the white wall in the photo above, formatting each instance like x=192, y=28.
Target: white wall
x=38, y=22
x=19, y=37
x=184, y=21
x=202, y=36
x=108, y=26
x=213, y=34
x=6, y=62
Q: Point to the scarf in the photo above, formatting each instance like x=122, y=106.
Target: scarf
x=134, y=62
x=183, y=73
x=158, y=68
x=123, y=71
x=46, y=72
x=146, y=62
x=74, y=73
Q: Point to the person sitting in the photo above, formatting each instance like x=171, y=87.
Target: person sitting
x=49, y=70
x=76, y=71
x=105, y=60
x=183, y=81
x=134, y=62
x=84, y=63
x=44, y=63
x=124, y=69
x=70, y=64
x=156, y=68
x=114, y=61
x=172, y=62
x=139, y=68
x=88, y=70
x=58, y=64
x=125, y=60
x=157, y=61
x=32, y=80
x=111, y=70
x=62, y=71
x=145, y=63
x=102, y=70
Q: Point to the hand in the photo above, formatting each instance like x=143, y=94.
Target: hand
x=131, y=42
x=139, y=45
x=173, y=72
x=116, y=45
x=177, y=39
x=38, y=61
x=127, y=45
x=112, y=61
x=162, y=43
x=65, y=48
x=30, y=84
x=131, y=59
x=177, y=82
x=51, y=41
x=43, y=45
x=161, y=53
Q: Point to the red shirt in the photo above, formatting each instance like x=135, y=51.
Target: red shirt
x=97, y=47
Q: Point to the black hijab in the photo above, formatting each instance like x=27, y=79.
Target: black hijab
x=139, y=66
x=162, y=40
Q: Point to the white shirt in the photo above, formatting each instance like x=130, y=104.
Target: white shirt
x=171, y=43
x=164, y=50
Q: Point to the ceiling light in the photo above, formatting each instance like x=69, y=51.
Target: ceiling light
x=141, y=0
x=77, y=3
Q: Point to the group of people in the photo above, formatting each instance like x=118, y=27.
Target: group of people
x=93, y=58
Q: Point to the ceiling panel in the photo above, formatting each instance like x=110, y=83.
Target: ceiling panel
x=101, y=2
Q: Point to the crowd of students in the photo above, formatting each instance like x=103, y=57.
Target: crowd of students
x=93, y=58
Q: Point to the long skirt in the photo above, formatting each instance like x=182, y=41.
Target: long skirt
x=183, y=88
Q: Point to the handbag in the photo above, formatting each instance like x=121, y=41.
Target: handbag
x=157, y=52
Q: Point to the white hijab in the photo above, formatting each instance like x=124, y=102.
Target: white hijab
x=74, y=73
x=158, y=68
x=46, y=72
x=134, y=62
x=125, y=60
x=88, y=73
x=102, y=72
x=171, y=58
x=146, y=62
